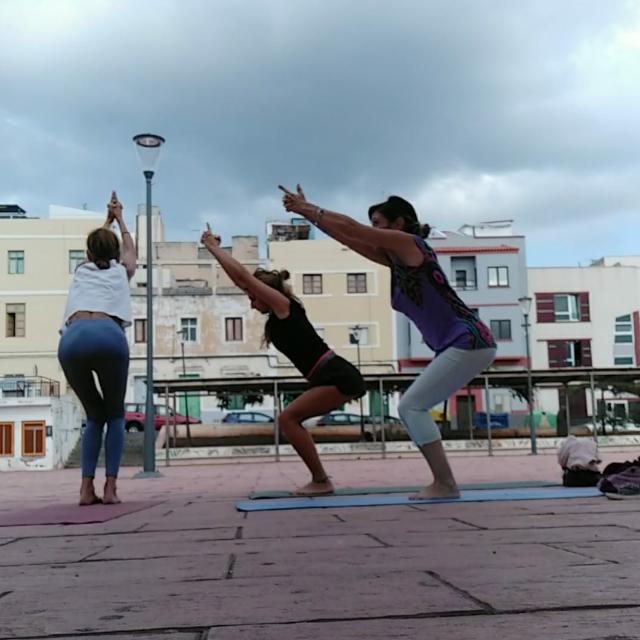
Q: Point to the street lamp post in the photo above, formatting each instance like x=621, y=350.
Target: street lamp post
x=148, y=147
x=525, y=306
x=354, y=337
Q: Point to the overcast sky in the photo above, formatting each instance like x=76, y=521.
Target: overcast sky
x=472, y=109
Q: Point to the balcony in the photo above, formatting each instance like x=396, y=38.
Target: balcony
x=188, y=287
x=468, y=285
x=28, y=387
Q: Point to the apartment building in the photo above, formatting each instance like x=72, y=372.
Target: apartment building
x=586, y=317
x=345, y=295
x=39, y=256
x=203, y=324
x=486, y=265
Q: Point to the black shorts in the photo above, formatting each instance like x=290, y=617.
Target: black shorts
x=337, y=372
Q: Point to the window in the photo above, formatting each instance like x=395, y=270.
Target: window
x=463, y=272
x=16, y=262
x=566, y=308
x=356, y=283
x=33, y=438
x=312, y=283
x=6, y=438
x=501, y=329
x=624, y=330
x=163, y=410
x=260, y=417
x=233, y=329
x=13, y=385
x=361, y=336
x=623, y=360
x=563, y=307
x=498, y=276
x=574, y=353
x=140, y=330
x=623, y=324
x=569, y=353
x=76, y=256
x=15, y=320
x=189, y=329
x=236, y=401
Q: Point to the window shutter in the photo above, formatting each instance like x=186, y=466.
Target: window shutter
x=544, y=307
x=586, y=353
x=583, y=306
x=557, y=352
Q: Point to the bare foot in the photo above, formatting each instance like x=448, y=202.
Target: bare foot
x=110, y=495
x=437, y=491
x=88, y=493
x=313, y=488
x=87, y=499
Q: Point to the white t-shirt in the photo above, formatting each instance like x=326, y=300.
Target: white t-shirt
x=95, y=289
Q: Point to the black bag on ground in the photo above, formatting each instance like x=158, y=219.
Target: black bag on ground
x=616, y=467
x=580, y=478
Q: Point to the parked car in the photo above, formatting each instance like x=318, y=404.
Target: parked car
x=247, y=417
x=393, y=426
x=135, y=416
x=339, y=419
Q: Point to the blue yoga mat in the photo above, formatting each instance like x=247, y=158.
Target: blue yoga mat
x=494, y=495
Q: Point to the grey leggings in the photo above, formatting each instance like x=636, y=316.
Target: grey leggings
x=448, y=372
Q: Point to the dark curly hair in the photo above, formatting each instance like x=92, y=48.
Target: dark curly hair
x=396, y=207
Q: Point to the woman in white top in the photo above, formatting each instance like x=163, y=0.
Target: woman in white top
x=98, y=309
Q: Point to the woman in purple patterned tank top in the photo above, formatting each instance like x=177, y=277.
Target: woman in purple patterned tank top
x=463, y=345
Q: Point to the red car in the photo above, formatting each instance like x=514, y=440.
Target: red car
x=134, y=417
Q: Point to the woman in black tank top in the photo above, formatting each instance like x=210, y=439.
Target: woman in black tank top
x=332, y=380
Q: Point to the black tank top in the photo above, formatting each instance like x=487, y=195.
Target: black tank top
x=295, y=337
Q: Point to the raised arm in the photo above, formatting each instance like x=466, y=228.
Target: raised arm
x=368, y=241
x=245, y=280
x=128, y=257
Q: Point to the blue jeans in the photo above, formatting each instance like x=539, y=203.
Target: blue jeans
x=98, y=345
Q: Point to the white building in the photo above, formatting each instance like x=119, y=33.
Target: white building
x=486, y=265
x=586, y=317
x=38, y=429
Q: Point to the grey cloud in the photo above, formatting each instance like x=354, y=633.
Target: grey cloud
x=356, y=99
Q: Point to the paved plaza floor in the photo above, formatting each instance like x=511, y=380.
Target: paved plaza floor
x=190, y=566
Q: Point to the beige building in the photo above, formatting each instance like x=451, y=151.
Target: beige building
x=196, y=308
x=340, y=290
x=195, y=304
x=39, y=256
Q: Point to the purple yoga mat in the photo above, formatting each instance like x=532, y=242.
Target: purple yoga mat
x=70, y=514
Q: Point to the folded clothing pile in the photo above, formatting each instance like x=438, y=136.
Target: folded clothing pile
x=579, y=460
x=621, y=480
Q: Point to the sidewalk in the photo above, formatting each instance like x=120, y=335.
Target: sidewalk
x=191, y=567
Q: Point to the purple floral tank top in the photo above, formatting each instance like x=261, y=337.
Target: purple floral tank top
x=425, y=296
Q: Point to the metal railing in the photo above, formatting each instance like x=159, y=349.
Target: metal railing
x=28, y=387
x=470, y=424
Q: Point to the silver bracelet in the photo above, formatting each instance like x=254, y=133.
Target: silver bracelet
x=319, y=214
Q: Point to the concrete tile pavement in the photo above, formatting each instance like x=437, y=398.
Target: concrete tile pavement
x=193, y=567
